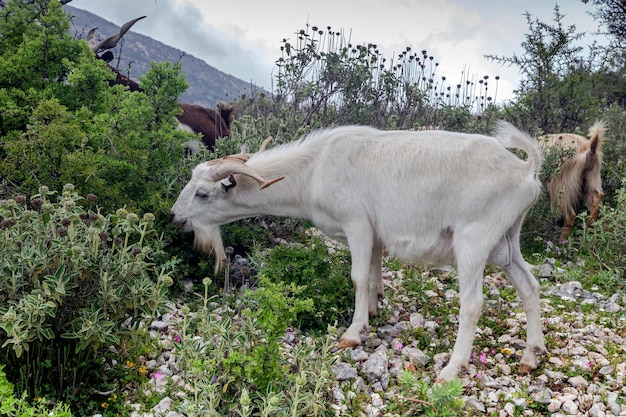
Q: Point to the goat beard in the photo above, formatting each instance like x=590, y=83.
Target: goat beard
x=208, y=239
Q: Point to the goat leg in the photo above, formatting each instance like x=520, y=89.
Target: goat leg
x=568, y=224
x=596, y=200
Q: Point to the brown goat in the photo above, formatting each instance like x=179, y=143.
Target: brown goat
x=578, y=180
x=194, y=118
x=211, y=124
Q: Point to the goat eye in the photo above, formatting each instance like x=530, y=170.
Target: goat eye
x=201, y=194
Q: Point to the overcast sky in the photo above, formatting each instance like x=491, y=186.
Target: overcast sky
x=243, y=37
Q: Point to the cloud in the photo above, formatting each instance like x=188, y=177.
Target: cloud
x=183, y=25
x=243, y=37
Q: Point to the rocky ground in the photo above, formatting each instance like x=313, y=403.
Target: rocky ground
x=582, y=375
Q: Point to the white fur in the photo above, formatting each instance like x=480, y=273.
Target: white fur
x=427, y=196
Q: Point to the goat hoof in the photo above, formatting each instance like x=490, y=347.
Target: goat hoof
x=346, y=343
x=524, y=369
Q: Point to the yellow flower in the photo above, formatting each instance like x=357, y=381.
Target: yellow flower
x=104, y=405
x=506, y=351
x=130, y=364
x=143, y=370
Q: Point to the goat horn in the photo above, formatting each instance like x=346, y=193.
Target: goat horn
x=265, y=143
x=244, y=156
x=236, y=165
x=111, y=41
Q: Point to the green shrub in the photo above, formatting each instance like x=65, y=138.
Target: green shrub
x=72, y=283
x=428, y=399
x=325, y=279
x=13, y=406
x=603, y=244
x=614, y=150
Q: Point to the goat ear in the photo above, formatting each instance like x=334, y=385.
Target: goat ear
x=228, y=183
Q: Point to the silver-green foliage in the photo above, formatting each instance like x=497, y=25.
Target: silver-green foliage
x=71, y=272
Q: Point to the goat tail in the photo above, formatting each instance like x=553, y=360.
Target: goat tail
x=596, y=135
x=511, y=137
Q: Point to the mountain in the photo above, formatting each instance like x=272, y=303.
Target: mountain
x=133, y=54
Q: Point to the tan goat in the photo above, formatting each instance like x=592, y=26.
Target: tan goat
x=578, y=180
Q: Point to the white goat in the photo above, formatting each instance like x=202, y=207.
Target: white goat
x=437, y=196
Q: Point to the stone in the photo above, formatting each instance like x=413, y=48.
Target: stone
x=578, y=381
x=375, y=366
x=344, y=371
x=430, y=325
x=518, y=344
x=338, y=395
x=416, y=356
x=555, y=361
x=570, y=407
x=505, y=368
x=450, y=295
x=612, y=404
x=555, y=375
x=546, y=270
x=416, y=320
x=477, y=405
x=163, y=406
x=543, y=396
x=520, y=402
x=554, y=405
x=509, y=408
x=596, y=410
x=606, y=370
x=359, y=355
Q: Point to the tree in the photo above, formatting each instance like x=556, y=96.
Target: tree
x=559, y=86
x=612, y=13
x=61, y=122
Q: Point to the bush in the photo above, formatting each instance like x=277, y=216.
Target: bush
x=12, y=406
x=603, y=244
x=73, y=282
x=324, y=276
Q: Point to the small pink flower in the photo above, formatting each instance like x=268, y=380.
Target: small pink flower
x=176, y=338
x=157, y=375
x=478, y=376
x=483, y=357
x=399, y=345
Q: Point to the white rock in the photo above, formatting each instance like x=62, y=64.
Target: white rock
x=570, y=407
x=554, y=405
x=509, y=408
x=416, y=320
x=475, y=404
x=163, y=406
x=578, y=382
x=596, y=410
x=556, y=361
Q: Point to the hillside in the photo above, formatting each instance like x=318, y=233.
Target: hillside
x=207, y=85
